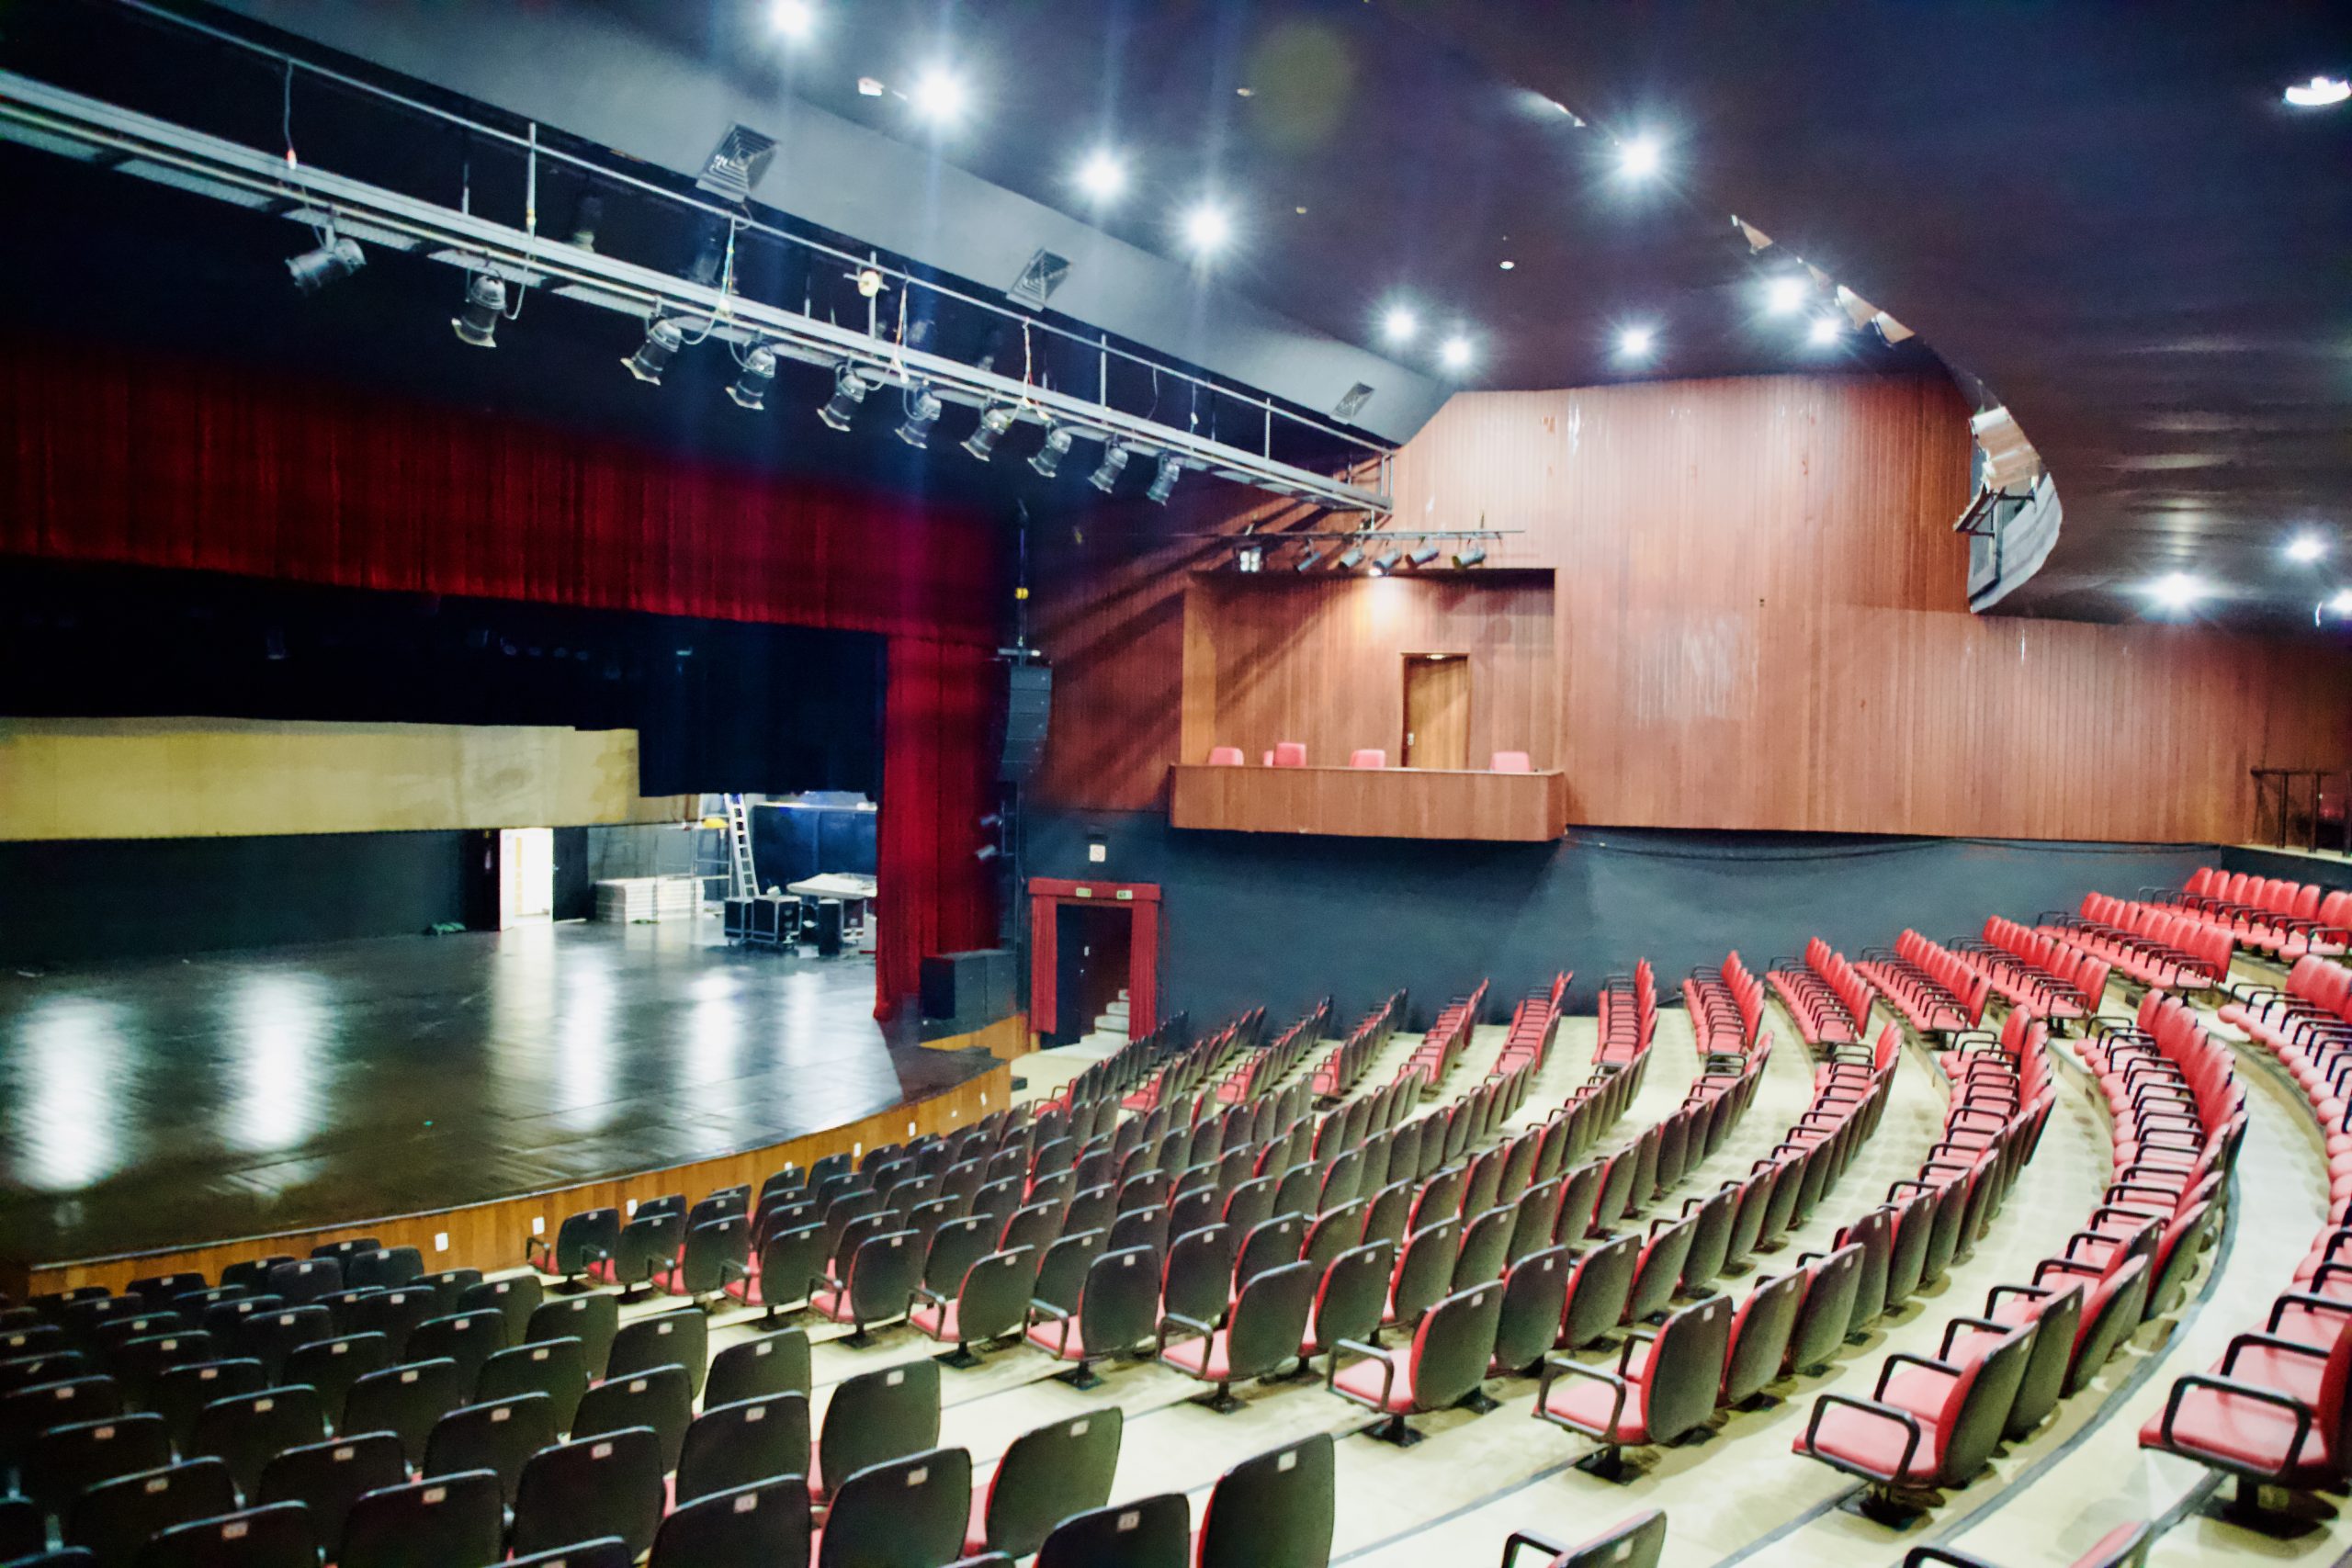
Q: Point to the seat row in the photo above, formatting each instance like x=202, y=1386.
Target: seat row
x=1344, y=1066
x=1640, y=1542
x=1628, y=1016
x=1533, y=1025
x=1128, y=1065
x=1726, y=1007
x=2037, y=975
x=1926, y=984
x=2273, y=1410
x=2161, y=949
x=1447, y=1037
x=1261, y=1070
x=2285, y=919
x=1186, y=1073
x=1825, y=998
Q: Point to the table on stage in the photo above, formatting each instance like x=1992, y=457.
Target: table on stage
x=1372, y=803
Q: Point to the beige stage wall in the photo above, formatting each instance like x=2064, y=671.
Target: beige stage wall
x=170, y=778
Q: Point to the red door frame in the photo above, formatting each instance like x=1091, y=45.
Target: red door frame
x=1048, y=895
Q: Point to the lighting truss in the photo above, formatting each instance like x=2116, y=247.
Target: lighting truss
x=36, y=113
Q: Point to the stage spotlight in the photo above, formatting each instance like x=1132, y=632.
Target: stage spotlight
x=1307, y=558
x=1426, y=554
x=923, y=412
x=1785, y=293
x=1825, y=330
x=940, y=96
x=477, y=319
x=314, y=269
x=793, y=19
x=2306, y=547
x=849, y=391
x=1454, y=353
x=2319, y=92
x=1105, y=477
x=995, y=420
x=1465, y=560
x=2177, y=590
x=1048, y=459
x=1207, y=228
x=2342, y=603
x=750, y=387
x=662, y=339
x=986, y=852
x=1386, y=561
x=1351, y=558
x=1641, y=157
x=1163, y=480
x=1399, y=325
x=1634, y=343
x=1250, y=557
x=1104, y=175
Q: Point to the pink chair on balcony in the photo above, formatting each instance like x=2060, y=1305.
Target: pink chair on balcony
x=1368, y=757
x=1287, y=754
x=1225, y=756
x=1512, y=762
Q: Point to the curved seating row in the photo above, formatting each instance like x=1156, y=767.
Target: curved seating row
x=1343, y=1067
x=2034, y=973
x=2286, y=920
x=1260, y=1071
x=1826, y=998
x=1933, y=990
x=1533, y=1025
x=1726, y=1007
x=2162, y=949
x=1447, y=1037
x=2273, y=1410
x=1185, y=1072
x=1128, y=1066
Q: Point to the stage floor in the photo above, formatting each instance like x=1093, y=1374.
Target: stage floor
x=162, y=1103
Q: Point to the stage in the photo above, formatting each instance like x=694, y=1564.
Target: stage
x=166, y=1106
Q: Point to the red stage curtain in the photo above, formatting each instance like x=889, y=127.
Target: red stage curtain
x=156, y=463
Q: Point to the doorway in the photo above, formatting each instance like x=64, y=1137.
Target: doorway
x=1092, y=943
x=526, y=876
x=1437, y=710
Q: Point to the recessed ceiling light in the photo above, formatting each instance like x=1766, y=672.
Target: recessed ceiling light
x=940, y=96
x=1507, y=264
x=2306, y=547
x=1785, y=293
x=795, y=19
x=1825, y=330
x=1103, y=175
x=2342, y=603
x=1245, y=92
x=1300, y=210
x=1399, y=324
x=1640, y=157
x=2319, y=92
x=1454, y=353
x=869, y=86
x=1206, y=228
x=1636, y=342
x=2178, y=591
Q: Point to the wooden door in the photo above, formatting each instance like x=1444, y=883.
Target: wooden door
x=1437, y=710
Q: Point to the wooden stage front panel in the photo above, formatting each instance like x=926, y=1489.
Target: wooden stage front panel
x=1371, y=803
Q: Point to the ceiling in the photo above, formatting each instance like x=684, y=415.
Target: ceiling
x=2098, y=213
x=2103, y=212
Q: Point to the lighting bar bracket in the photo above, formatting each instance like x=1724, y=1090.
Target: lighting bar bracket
x=39, y=115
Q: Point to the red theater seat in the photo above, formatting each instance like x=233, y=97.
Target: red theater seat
x=1512, y=762
x=1368, y=757
x=1287, y=754
x=1225, y=756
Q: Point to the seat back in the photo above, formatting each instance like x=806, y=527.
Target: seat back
x=328, y=1478
x=245, y=1431
x=1512, y=762
x=1274, y=1511
x=499, y=1438
x=1368, y=757
x=1535, y=1294
x=1976, y=1411
x=114, y=1518
x=1289, y=754
x=1270, y=1320
x=609, y=1484
x=729, y=1446
x=1660, y=1271
x=1485, y=1245
x=908, y=1513
x=1579, y=1192
x=1425, y=1271
x=1120, y=1306
x=178, y=1393
x=332, y=1366
x=656, y=1398
x=275, y=1536
x=666, y=1339
x=2056, y=1318
x=584, y=1238
x=1760, y=1337
x=1827, y=1310
x=1454, y=1344
x=1048, y=1475
x=1710, y=1240
x=425, y=1524
x=2109, y=1315
x=1225, y=756
x=883, y=1276
x=594, y=1320
x=878, y=1416
x=65, y=1460
x=558, y=1368
x=404, y=1401
x=1639, y=1542
x=1598, y=1291
x=766, y=1522
x=1683, y=1376
x=1151, y=1532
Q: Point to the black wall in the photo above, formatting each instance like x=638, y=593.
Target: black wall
x=80, y=901
x=1262, y=919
